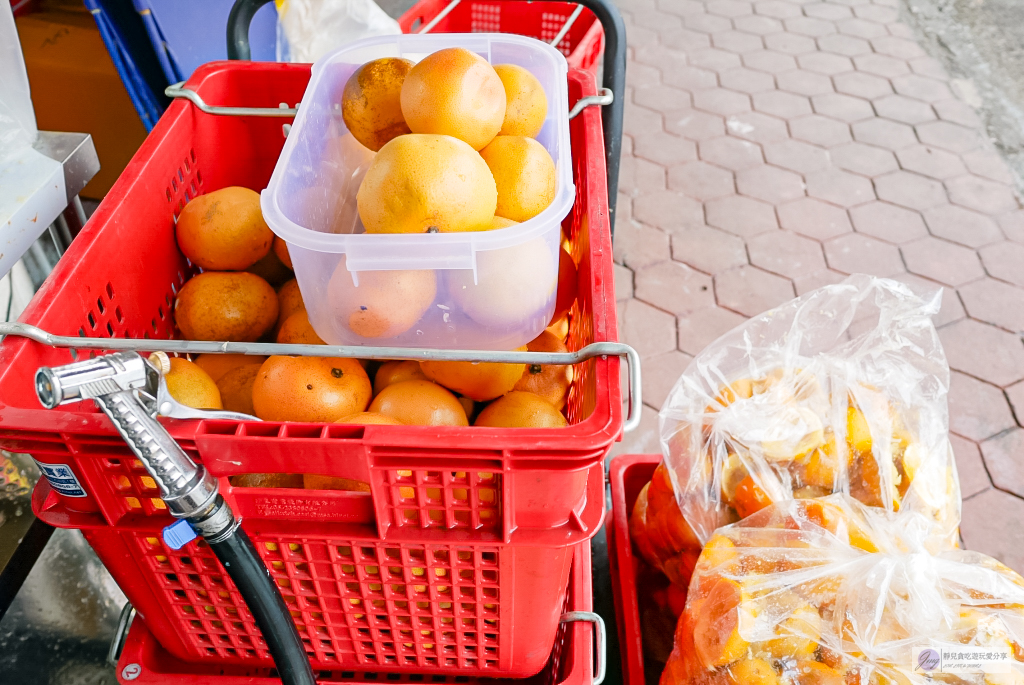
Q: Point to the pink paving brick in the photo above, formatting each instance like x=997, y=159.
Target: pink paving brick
x=797, y=155
x=731, y=153
x=842, y=107
x=840, y=188
x=866, y=160
x=660, y=374
x=1015, y=393
x=950, y=309
x=820, y=130
x=648, y=330
x=745, y=80
x=854, y=253
x=1005, y=261
x=860, y=28
x=1002, y=536
x=667, y=209
x=883, y=133
x=809, y=26
x=844, y=45
x=708, y=249
x=984, y=351
x=910, y=190
x=970, y=466
x=921, y=88
x=825, y=63
x=693, y=124
x=786, y=254
x=637, y=245
x=721, y=101
x=737, y=41
x=942, y=261
x=819, y=279
x=769, y=61
x=770, y=184
x=958, y=112
x=804, y=82
x=713, y=58
x=777, y=8
x=863, y=85
x=742, y=216
x=750, y=291
x=1012, y=224
x=663, y=148
x=701, y=180
x=827, y=10
x=658, y=56
x=703, y=326
x=900, y=48
x=887, y=221
x=756, y=127
x=948, y=136
x=661, y=98
x=989, y=164
x=977, y=410
x=930, y=161
x=1002, y=457
x=994, y=302
x=981, y=194
x=962, y=226
x=904, y=109
x=673, y=287
x=758, y=25
x=814, y=218
x=781, y=104
x=789, y=43
x=707, y=23
x=729, y=8
x=689, y=78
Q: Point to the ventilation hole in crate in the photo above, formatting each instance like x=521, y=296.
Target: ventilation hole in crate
x=174, y=185
x=199, y=176
x=188, y=166
x=119, y=314
x=92, y=320
x=99, y=304
x=110, y=330
x=81, y=332
x=188, y=197
x=195, y=191
x=74, y=354
x=181, y=176
x=160, y=313
x=169, y=197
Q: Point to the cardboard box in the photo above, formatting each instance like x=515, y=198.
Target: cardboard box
x=75, y=87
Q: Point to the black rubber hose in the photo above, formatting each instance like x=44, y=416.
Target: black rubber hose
x=239, y=19
x=244, y=566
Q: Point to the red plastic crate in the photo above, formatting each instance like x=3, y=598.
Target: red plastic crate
x=571, y=660
x=516, y=499
x=581, y=45
x=627, y=474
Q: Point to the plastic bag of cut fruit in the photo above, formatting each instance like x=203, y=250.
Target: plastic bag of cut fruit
x=841, y=390
x=831, y=592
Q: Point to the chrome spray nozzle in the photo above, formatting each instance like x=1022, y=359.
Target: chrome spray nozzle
x=92, y=378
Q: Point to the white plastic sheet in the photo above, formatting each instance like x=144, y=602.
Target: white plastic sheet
x=309, y=29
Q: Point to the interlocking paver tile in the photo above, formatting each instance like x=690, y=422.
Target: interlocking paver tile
x=862, y=85
x=737, y=41
x=977, y=410
x=639, y=119
x=770, y=184
x=1005, y=261
x=948, y=136
x=839, y=44
x=673, y=287
x=664, y=148
x=995, y=302
x=818, y=279
x=884, y=133
x=820, y=130
x=658, y=56
x=637, y=245
x=921, y=88
x=648, y=330
x=690, y=78
x=855, y=253
x=638, y=75
x=742, y=216
x=989, y=164
x=840, y=188
x=962, y=226
x=787, y=254
x=729, y=8
x=797, y=156
x=758, y=25
x=942, y=261
x=809, y=26
x=660, y=374
x=900, y=48
x=981, y=194
x=1015, y=393
x=1012, y=224
x=731, y=153
x=750, y=291
x=825, y=63
x=928, y=66
x=910, y=190
x=769, y=61
x=984, y=351
x=904, y=109
x=746, y=80
x=685, y=39
x=866, y=160
x=638, y=176
x=879, y=14
x=701, y=180
x=713, y=58
x=703, y=326
x=951, y=309
x=777, y=8
x=860, y=28
x=623, y=283
x=804, y=82
x=707, y=23
x=682, y=8
x=890, y=223
x=708, y=249
x=694, y=124
x=1002, y=456
x=667, y=209
x=654, y=20
x=721, y=101
x=970, y=467
x=1000, y=537
x=931, y=161
x=661, y=98
x=881, y=65
x=756, y=127
x=842, y=107
x=814, y=218
x=789, y=43
x=781, y=104
x=958, y=112
x=827, y=10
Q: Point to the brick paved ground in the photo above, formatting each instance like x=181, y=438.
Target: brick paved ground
x=773, y=146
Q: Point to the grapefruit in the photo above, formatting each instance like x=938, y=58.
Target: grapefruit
x=527, y=105
x=524, y=174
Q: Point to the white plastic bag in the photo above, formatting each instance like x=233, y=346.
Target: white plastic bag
x=17, y=118
x=841, y=390
x=309, y=29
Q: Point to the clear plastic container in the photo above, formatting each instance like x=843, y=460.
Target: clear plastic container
x=477, y=290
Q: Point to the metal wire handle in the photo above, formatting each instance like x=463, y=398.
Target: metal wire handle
x=598, y=349
x=600, y=637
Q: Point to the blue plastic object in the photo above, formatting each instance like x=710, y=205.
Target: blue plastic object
x=188, y=33
x=179, y=534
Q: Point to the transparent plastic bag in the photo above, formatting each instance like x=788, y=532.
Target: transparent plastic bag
x=831, y=592
x=309, y=29
x=17, y=118
x=841, y=390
